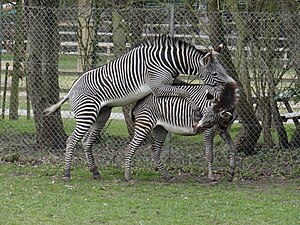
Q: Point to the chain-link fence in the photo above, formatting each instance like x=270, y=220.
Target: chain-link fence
x=45, y=49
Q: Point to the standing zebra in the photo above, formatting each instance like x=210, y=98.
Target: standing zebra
x=150, y=67
x=173, y=114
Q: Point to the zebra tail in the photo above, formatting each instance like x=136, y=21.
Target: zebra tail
x=56, y=106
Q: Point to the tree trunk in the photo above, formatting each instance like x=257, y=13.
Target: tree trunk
x=241, y=56
x=251, y=127
x=266, y=121
x=279, y=127
x=19, y=54
x=119, y=33
x=119, y=40
x=86, y=35
x=53, y=134
x=43, y=74
x=97, y=20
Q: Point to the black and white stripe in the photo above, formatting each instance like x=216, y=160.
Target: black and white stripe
x=150, y=67
x=173, y=114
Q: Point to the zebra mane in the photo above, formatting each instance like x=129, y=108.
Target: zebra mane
x=228, y=98
x=167, y=41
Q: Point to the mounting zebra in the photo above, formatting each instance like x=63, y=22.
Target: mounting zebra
x=173, y=114
x=150, y=67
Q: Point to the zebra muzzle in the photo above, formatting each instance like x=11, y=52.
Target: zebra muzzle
x=202, y=125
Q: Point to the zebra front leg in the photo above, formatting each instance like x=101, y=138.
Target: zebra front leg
x=160, y=134
x=90, y=138
x=227, y=138
x=208, y=141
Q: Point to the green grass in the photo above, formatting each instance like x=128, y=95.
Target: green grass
x=114, y=128
x=67, y=62
x=20, y=126
x=6, y=57
x=37, y=195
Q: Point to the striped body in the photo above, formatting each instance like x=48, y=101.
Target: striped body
x=150, y=67
x=173, y=114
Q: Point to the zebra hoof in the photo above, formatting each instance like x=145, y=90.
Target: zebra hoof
x=213, y=182
x=66, y=178
x=127, y=179
x=168, y=178
x=97, y=176
x=230, y=177
x=130, y=181
x=213, y=179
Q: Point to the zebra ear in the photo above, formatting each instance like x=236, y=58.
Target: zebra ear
x=206, y=60
x=217, y=50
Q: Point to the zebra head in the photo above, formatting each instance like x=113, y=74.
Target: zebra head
x=210, y=69
x=222, y=111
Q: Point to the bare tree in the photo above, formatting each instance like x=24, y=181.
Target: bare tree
x=251, y=127
x=86, y=35
x=43, y=72
x=292, y=29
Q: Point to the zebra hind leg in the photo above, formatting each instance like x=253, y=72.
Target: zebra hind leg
x=70, y=147
x=160, y=134
x=84, y=120
x=91, y=136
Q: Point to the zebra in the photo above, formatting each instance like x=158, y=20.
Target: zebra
x=173, y=114
x=150, y=67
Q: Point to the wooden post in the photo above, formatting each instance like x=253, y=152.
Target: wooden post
x=4, y=89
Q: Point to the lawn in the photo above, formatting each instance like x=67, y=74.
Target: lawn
x=37, y=195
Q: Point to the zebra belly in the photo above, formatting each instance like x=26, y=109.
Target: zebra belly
x=177, y=129
x=130, y=98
